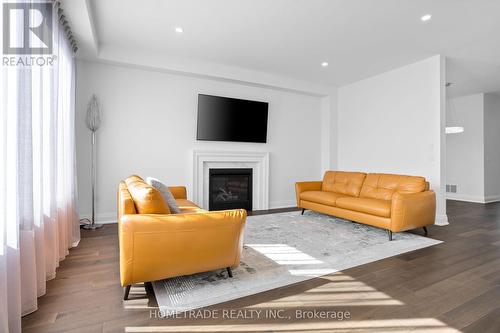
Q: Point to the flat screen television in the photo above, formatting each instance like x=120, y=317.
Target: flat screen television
x=231, y=119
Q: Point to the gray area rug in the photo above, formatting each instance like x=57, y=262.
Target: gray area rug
x=283, y=249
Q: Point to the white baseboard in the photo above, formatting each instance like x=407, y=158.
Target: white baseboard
x=472, y=198
x=282, y=204
x=492, y=198
x=102, y=218
x=465, y=197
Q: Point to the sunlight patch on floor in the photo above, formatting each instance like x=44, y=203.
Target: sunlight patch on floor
x=342, y=286
x=138, y=304
x=337, y=277
x=284, y=254
x=340, y=290
x=312, y=272
x=351, y=299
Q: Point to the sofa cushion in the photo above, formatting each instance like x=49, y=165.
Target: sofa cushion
x=187, y=206
x=348, y=183
x=321, y=197
x=383, y=186
x=364, y=205
x=165, y=192
x=147, y=199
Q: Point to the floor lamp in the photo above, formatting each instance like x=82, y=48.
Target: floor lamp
x=93, y=121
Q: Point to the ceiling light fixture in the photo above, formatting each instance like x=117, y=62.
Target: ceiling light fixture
x=454, y=129
x=324, y=64
x=452, y=116
x=426, y=17
x=179, y=30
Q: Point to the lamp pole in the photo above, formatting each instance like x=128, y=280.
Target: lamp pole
x=93, y=121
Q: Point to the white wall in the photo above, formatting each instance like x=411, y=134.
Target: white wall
x=492, y=147
x=329, y=131
x=465, y=151
x=473, y=157
x=149, y=128
x=394, y=123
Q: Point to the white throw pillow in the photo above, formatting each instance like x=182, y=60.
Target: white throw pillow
x=167, y=195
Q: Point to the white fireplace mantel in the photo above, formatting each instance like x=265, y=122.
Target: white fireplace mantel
x=204, y=160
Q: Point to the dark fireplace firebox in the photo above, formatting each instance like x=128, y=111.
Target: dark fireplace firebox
x=230, y=189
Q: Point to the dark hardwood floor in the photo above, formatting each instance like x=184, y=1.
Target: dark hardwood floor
x=454, y=286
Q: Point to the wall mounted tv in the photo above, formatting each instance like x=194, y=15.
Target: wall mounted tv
x=231, y=119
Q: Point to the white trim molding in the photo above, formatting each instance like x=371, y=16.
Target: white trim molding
x=492, y=198
x=473, y=198
x=441, y=220
x=282, y=204
x=204, y=160
x=465, y=197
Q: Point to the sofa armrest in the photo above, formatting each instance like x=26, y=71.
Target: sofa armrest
x=179, y=192
x=156, y=246
x=306, y=186
x=410, y=211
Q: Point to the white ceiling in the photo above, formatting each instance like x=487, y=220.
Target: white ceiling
x=358, y=38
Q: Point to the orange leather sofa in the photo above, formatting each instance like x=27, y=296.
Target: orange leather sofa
x=393, y=202
x=160, y=246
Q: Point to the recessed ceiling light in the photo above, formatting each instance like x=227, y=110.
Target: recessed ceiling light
x=426, y=17
x=324, y=64
x=179, y=30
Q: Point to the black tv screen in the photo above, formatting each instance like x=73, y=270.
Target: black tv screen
x=231, y=119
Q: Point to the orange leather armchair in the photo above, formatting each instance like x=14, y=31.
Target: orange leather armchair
x=160, y=246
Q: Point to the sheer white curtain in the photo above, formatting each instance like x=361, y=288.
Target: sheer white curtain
x=38, y=218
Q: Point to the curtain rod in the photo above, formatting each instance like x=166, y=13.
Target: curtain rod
x=64, y=22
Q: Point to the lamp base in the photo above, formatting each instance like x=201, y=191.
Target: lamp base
x=92, y=226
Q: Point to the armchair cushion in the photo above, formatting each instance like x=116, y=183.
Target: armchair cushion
x=187, y=206
x=147, y=199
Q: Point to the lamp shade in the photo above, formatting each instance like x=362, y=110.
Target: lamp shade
x=93, y=118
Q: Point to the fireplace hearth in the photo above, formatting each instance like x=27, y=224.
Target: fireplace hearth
x=230, y=189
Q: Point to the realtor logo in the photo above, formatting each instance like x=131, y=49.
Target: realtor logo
x=27, y=28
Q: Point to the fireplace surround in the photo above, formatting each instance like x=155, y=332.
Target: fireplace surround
x=204, y=160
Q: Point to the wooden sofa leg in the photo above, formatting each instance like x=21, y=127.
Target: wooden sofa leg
x=126, y=292
x=229, y=272
x=303, y=210
x=390, y=235
x=425, y=231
